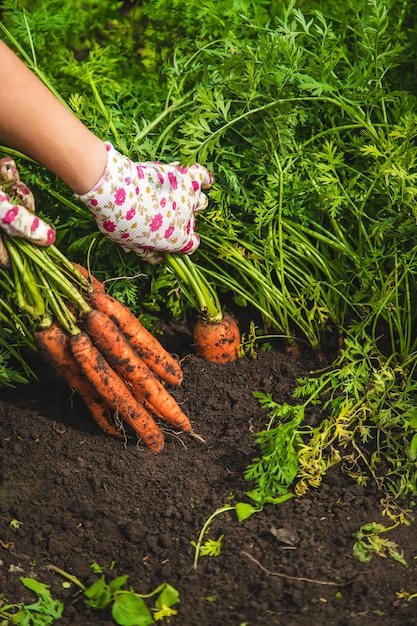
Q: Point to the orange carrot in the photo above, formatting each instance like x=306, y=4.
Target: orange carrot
x=217, y=341
x=118, y=351
x=53, y=345
x=94, y=282
x=148, y=348
x=114, y=391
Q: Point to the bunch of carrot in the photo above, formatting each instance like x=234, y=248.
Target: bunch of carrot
x=95, y=343
x=117, y=367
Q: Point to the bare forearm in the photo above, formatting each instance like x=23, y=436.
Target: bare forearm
x=34, y=122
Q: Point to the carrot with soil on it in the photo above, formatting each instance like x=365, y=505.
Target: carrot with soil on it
x=121, y=355
x=53, y=345
x=216, y=334
x=114, y=391
x=146, y=345
x=217, y=341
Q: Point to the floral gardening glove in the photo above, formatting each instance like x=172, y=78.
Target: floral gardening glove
x=149, y=207
x=18, y=219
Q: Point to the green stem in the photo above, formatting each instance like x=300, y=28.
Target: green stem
x=205, y=528
x=13, y=321
x=172, y=107
x=195, y=286
x=280, y=248
x=28, y=295
x=57, y=305
x=70, y=577
x=40, y=256
x=102, y=108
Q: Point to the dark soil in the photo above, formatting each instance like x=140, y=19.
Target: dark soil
x=85, y=498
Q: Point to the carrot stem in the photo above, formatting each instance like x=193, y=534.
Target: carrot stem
x=63, y=314
x=200, y=293
x=27, y=292
x=41, y=258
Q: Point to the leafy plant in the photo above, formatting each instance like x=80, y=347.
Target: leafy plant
x=210, y=547
x=43, y=612
x=295, y=110
x=366, y=419
x=15, y=523
x=128, y=608
x=306, y=113
x=368, y=542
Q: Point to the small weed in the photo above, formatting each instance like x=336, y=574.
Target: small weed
x=14, y=523
x=211, y=547
x=43, y=612
x=128, y=608
x=405, y=595
x=99, y=569
x=369, y=542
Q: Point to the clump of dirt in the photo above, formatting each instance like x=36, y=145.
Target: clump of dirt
x=85, y=498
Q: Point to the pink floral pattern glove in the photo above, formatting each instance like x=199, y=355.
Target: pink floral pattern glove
x=17, y=205
x=149, y=207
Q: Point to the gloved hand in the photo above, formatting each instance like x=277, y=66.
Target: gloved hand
x=19, y=220
x=148, y=207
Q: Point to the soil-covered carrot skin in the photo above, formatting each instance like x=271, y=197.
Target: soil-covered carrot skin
x=121, y=355
x=53, y=345
x=146, y=345
x=114, y=391
x=217, y=341
x=96, y=285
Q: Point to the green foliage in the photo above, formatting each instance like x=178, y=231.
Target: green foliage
x=366, y=421
x=43, y=612
x=210, y=547
x=277, y=466
x=368, y=542
x=307, y=114
x=299, y=111
x=128, y=608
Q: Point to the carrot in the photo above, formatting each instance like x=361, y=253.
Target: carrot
x=217, y=341
x=53, y=345
x=121, y=355
x=96, y=285
x=149, y=349
x=114, y=391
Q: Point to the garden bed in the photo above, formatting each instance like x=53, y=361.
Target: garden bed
x=83, y=498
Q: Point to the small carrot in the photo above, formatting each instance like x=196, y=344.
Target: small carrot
x=118, y=351
x=96, y=285
x=114, y=391
x=53, y=345
x=217, y=341
x=147, y=346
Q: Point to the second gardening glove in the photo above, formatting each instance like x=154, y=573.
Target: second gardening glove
x=17, y=207
x=149, y=207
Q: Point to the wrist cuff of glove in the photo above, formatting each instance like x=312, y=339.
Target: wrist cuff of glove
x=110, y=170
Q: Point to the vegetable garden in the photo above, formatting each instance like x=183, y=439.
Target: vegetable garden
x=285, y=490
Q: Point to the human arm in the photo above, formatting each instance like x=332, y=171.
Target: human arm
x=35, y=122
x=159, y=201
